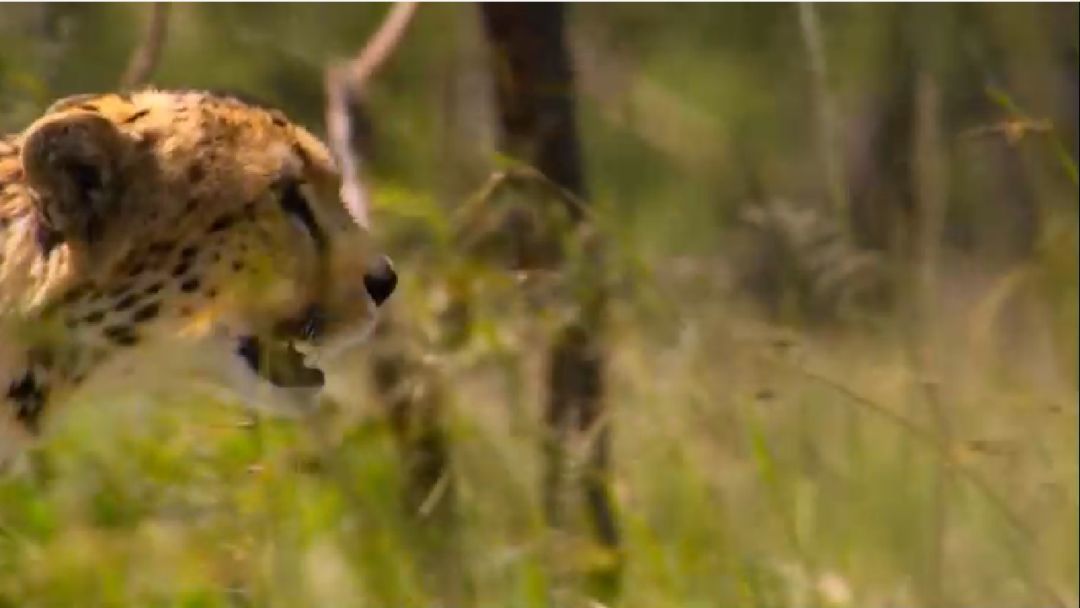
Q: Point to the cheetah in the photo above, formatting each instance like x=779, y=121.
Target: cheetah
x=144, y=232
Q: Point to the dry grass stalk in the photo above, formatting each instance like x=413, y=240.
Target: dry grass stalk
x=147, y=53
x=347, y=81
x=828, y=133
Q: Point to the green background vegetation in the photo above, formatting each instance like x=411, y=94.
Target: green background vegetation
x=765, y=454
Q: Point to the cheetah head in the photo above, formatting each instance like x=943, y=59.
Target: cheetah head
x=141, y=229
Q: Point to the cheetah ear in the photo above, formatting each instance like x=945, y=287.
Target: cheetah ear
x=71, y=162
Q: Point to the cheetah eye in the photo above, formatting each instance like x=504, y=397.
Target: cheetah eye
x=295, y=205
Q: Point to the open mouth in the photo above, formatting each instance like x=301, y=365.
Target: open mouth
x=279, y=362
x=292, y=356
x=283, y=360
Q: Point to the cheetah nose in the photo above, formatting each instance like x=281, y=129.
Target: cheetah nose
x=380, y=280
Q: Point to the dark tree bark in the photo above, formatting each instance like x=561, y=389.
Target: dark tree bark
x=534, y=87
x=535, y=91
x=996, y=211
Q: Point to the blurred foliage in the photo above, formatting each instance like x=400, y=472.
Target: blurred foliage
x=759, y=460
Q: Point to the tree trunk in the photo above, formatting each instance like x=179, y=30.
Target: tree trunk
x=535, y=92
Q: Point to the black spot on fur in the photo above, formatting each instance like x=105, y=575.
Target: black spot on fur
x=120, y=290
x=189, y=285
x=126, y=302
x=136, y=116
x=146, y=313
x=162, y=247
x=94, y=318
x=221, y=223
x=122, y=335
x=74, y=294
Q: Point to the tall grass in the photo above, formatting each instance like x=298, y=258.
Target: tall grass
x=755, y=465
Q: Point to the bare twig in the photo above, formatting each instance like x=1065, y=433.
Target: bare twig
x=339, y=135
x=147, y=53
x=346, y=81
x=381, y=46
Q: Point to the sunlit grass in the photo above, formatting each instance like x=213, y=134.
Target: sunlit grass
x=754, y=466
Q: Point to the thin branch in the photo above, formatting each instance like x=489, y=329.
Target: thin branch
x=147, y=53
x=382, y=44
x=339, y=135
x=347, y=81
